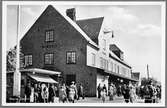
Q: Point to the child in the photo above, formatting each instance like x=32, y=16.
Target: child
x=103, y=95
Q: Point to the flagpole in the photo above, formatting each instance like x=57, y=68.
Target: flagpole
x=148, y=76
x=17, y=75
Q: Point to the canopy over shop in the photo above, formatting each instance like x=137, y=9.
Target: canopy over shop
x=32, y=75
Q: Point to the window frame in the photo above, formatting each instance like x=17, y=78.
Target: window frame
x=52, y=60
x=93, y=56
x=47, y=37
x=104, y=44
x=71, y=54
x=28, y=63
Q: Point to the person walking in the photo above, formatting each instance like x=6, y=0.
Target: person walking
x=99, y=88
x=72, y=93
x=105, y=88
x=44, y=93
x=39, y=90
x=51, y=93
x=132, y=93
x=62, y=94
x=111, y=92
x=32, y=94
x=28, y=92
x=126, y=93
x=35, y=92
x=154, y=97
x=103, y=94
x=80, y=92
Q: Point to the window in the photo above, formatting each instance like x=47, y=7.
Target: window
x=71, y=57
x=115, y=68
x=118, y=69
x=111, y=66
x=93, y=59
x=48, y=58
x=49, y=35
x=106, y=64
x=28, y=60
x=101, y=62
x=104, y=44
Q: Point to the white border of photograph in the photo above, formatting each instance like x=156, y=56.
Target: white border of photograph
x=4, y=35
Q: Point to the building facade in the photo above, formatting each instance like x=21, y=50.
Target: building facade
x=79, y=49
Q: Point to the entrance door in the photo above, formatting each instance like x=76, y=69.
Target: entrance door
x=70, y=78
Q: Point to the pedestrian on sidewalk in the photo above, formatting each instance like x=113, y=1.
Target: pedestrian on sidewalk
x=111, y=92
x=103, y=94
x=126, y=93
x=99, y=88
x=62, y=94
x=80, y=92
x=72, y=92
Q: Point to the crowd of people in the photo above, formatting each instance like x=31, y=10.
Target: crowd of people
x=52, y=93
x=151, y=93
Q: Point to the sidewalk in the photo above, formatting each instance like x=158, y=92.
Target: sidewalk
x=96, y=100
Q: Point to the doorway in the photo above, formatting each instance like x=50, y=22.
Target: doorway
x=70, y=78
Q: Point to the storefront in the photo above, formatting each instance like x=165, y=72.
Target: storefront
x=33, y=75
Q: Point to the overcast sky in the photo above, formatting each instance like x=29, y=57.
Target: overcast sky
x=137, y=30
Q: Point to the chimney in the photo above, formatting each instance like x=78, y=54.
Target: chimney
x=71, y=13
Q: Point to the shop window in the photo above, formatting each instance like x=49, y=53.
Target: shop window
x=28, y=60
x=71, y=57
x=49, y=35
x=49, y=59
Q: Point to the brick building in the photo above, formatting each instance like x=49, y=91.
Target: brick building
x=79, y=49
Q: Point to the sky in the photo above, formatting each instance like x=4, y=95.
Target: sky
x=137, y=30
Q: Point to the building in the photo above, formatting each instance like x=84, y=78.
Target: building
x=79, y=49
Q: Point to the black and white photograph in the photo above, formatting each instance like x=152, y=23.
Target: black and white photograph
x=83, y=53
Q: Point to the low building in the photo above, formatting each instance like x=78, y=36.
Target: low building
x=79, y=49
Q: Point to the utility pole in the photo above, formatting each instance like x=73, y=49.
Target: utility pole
x=148, y=72
x=17, y=74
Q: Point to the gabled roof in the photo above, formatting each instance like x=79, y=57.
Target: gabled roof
x=76, y=27
x=91, y=27
x=50, y=8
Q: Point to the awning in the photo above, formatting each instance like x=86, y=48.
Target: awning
x=37, y=70
x=46, y=79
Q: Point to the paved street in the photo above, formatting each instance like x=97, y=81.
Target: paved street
x=96, y=100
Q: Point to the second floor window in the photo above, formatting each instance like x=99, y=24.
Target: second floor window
x=93, y=59
x=48, y=58
x=71, y=57
x=49, y=35
x=104, y=44
x=28, y=60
